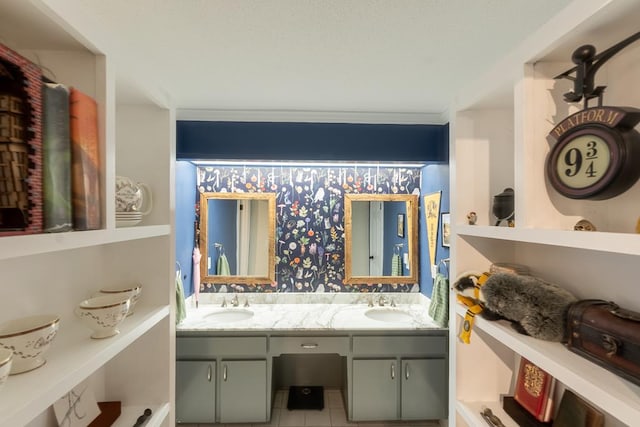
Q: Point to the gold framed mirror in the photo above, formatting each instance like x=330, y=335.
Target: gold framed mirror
x=381, y=238
x=237, y=237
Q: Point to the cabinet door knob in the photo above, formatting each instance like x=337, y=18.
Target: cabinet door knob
x=209, y=373
x=224, y=373
x=393, y=371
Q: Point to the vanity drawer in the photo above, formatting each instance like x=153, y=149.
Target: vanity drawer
x=309, y=344
x=210, y=347
x=406, y=345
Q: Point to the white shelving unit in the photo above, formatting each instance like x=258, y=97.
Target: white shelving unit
x=499, y=128
x=52, y=273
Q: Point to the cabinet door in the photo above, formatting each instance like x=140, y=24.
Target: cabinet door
x=195, y=391
x=375, y=389
x=424, y=389
x=243, y=391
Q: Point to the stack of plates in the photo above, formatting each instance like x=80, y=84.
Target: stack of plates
x=128, y=219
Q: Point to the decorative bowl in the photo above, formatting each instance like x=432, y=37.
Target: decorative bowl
x=29, y=339
x=133, y=291
x=6, y=357
x=103, y=314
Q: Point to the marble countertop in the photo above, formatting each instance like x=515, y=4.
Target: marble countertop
x=307, y=312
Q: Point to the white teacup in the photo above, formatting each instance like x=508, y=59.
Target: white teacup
x=6, y=357
x=28, y=338
x=133, y=291
x=103, y=314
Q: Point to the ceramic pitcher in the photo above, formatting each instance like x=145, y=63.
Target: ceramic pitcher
x=132, y=196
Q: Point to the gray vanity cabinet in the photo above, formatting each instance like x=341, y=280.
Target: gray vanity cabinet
x=195, y=391
x=243, y=391
x=399, y=377
x=424, y=389
x=222, y=379
x=375, y=389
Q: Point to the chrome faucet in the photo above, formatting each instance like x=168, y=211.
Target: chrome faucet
x=234, y=300
x=382, y=300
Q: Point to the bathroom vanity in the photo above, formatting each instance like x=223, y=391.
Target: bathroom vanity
x=390, y=359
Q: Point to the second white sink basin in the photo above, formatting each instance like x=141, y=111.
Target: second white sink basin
x=230, y=315
x=388, y=315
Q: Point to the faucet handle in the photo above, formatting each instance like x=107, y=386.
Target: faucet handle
x=370, y=302
x=224, y=302
x=382, y=300
x=246, y=302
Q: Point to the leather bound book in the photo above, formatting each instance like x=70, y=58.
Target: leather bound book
x=575, y=412
x=56, y=147
x=85, y=158
x=534, y=390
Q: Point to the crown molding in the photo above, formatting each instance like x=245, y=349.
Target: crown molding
x=312, y=116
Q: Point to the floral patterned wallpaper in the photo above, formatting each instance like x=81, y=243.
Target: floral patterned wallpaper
x=309, y=219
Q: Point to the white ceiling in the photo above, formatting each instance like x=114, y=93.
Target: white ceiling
x=353, y=56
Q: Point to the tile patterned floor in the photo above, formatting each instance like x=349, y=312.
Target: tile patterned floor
x=333, y=415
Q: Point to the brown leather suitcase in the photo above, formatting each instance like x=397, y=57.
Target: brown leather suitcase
x=607, y=335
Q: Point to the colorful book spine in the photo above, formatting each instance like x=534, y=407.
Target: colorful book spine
x=56, y=159
x=20, y=144
x=534, y=390
x=85, y=160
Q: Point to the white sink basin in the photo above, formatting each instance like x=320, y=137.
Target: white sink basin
x=388, y=315
x=230, y=315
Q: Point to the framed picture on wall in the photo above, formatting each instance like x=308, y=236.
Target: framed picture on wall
x=401, y=225
x=445, y=221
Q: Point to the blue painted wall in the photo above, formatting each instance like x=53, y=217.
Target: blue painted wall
x=200, y=140
x=435, y=177
x=185, y=218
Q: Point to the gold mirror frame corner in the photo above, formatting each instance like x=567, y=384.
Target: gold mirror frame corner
x=411, y=231
x=205, y=277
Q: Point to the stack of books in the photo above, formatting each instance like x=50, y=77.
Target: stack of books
x=532, y=404
x=50, y=152
x=71, y=160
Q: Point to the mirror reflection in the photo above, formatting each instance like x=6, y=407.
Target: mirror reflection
x=381, y=238
x=237, y=237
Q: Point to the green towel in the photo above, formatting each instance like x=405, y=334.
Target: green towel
x=223, y=266
x=396, y=265
x=181, y=309
x=439, y=307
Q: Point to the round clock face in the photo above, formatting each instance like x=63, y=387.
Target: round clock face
x=586, y=162
x=583, y=161
x=597, y=155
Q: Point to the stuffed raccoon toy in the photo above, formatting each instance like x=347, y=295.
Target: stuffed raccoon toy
x=535, y=307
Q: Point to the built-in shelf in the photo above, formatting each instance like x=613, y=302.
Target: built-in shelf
x=73, y=357
x=34, y=244
x=612, y=393
x=620, y=243
x=470, y=411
